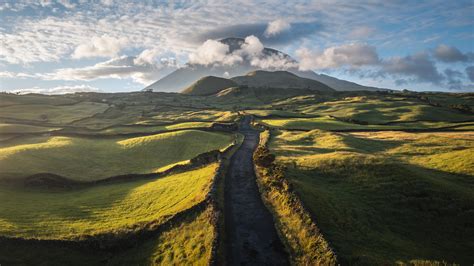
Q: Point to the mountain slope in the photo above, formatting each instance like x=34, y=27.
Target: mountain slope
x=209, y=85
x=279, y=79
x=185, y=76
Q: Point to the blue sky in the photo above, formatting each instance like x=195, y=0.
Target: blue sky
x=110, y=45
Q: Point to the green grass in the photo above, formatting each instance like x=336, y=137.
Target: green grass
x=95, y=158
x=325, y=122
x=188, y=242
x=384, y=197
x=101, y=209
x=13, y=99
x=379, y=109
x=51, y=113
x=181, y=114
x=264, y=113
x=329, y=123
x=145, y=129
x=19, y=128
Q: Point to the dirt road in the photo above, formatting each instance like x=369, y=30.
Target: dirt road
x=252, y=238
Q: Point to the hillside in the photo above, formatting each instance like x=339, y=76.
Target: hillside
x=279, y=79
x=209, y=85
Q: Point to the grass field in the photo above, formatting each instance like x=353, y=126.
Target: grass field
x=378, y=197
x=144, y=129
x=189, y=242
x=19, y=128
x=94, y=158
x=53, y=113
x=375, y=110
x=100, y=209
x=325, y=122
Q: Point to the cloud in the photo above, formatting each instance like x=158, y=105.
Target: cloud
x=16, y=75
x=117, y=68
x=419, y=67
x=252, y=46
x=450, y=54
x=67, y=4
x=361, y=32
x=58, y=90
x=104, y=46
x=470, y=73
x=352, y=55
x=453, y=76
x=276, y=27
x=213, y=52
x=148, y=56
x=298, y=31
x=251, y=52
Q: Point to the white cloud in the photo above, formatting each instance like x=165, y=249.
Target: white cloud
x=58, y=90
x=276, y=27
x=104, y=46
x=148, y=56
x=117, y=68
x=352, y=55
x=213, y=52
x=251, y=52
x=67, y=4
x=252, y=46
x=17, y=75
x=361, y=32
x=107, y=2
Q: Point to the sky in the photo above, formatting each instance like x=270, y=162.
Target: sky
x=58, y=46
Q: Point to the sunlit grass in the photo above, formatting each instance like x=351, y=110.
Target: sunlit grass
x=100, y=209
x=92, y=158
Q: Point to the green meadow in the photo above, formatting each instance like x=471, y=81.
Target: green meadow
x=92, y=159
x=101, y=209
x=378, y=197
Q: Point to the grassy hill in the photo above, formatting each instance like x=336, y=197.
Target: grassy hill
x=101, y=209
x=97, y=158
x=279, y=79
x=209, y=85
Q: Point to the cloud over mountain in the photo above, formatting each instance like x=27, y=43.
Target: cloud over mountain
x=250, y=51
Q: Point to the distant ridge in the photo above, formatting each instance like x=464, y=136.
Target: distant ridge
x=279, y=80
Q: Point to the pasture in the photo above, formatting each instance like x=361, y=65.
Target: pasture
x=88, y=159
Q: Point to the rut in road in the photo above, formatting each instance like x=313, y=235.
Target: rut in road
x=252, y=237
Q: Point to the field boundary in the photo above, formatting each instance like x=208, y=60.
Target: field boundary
x=296, y=227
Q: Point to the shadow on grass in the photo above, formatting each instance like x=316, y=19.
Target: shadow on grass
x=15, y=252
x=383, y=213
